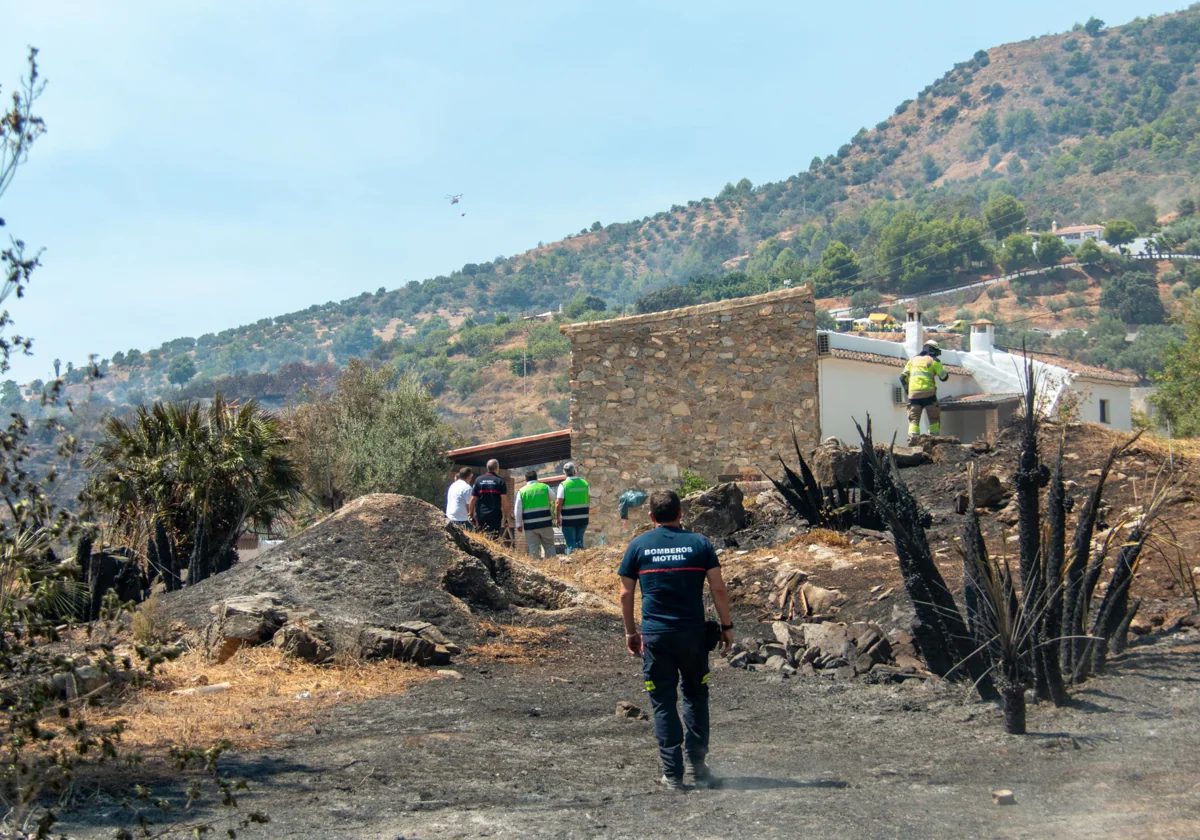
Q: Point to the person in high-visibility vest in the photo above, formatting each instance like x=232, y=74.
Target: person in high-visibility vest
x=920, y=377
x=572, y=505
x=534, y=513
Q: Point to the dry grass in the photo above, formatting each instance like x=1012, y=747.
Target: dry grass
x=261, y=703
x=518, y=645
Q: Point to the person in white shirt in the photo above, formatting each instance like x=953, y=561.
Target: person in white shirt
x=458, y=497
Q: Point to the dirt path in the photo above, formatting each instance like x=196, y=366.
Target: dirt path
x=536, y=751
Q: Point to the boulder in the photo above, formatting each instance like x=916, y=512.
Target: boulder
x=775, y=663
x=379, y=643
x=716, y=512
x=229, y=632
x=264, y=605
x=989, y=493
x=905, y=456
x=302, y=643
x=825, y=638
x=832, y=464
x=786, y=634
x=951, y=453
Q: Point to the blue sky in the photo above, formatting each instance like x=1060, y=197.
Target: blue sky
x=212, y=163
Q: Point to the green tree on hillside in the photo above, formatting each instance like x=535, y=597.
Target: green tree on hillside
x=989, y=128
x=839, y=266
x=354, y=339
x=668, y=297
x=1133, y=297
x=1178, y=397
x=1004, y=215
x=180, y=370
x=1016, y=253
x=1119, y=233
x=1050, y=249
x=1093, y=26
x=1089, y=252
x=377, y=432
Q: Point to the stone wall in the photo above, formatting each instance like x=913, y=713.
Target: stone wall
x=714, y=388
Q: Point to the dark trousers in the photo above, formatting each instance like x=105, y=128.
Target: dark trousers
x=491, y=524
x=573, y=536
x=670, y=660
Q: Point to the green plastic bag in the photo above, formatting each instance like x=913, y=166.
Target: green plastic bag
x=628, y=499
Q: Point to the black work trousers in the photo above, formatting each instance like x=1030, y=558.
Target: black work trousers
x=671, y=660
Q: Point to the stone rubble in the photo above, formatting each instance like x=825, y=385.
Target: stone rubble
x=828, y=648
x=252, y=620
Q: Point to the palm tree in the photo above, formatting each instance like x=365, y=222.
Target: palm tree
x=186, y=480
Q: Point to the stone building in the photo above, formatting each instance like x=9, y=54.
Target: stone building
x=715, y=389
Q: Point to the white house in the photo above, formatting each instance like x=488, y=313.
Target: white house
x=1075, y=234
x=859, y=376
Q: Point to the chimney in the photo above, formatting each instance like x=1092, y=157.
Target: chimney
x=914, y=333
x=983, y=338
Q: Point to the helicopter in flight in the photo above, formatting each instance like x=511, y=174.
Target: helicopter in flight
x=454, y=199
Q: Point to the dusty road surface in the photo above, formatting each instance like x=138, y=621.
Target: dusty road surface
x=534, y=751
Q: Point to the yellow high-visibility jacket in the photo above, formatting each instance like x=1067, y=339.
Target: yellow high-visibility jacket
x=919, y=375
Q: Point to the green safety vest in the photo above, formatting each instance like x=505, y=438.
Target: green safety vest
x=921, y=371
x=575, y=502
x=535, y=506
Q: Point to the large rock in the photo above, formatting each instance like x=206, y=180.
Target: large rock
x=302, y=643
x=905, y=456
x=833, y=464
x=989, y=493
x=827, y=638
x=378, y=643
x=716, y=512
x=949, y=454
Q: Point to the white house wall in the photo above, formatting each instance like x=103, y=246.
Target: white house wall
x=1120, y=403
x=850, y=390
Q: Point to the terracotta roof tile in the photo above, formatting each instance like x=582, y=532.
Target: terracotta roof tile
x=1084, y=371
x=881, y=359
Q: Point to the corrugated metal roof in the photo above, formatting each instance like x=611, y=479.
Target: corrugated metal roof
x=517, y=452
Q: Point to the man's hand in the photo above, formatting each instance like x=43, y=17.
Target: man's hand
x=520, y=528
x=633, y=643
x=726, y=641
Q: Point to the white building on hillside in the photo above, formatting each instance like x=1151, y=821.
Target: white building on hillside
x=858, y=376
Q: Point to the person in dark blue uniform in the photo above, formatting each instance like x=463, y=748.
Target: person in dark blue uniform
x=671, y=565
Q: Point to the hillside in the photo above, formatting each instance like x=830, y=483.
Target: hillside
x=1085, y=126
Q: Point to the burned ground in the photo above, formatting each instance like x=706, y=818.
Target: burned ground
x=522, y=741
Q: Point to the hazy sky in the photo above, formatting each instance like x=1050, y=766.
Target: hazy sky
x=210, y=164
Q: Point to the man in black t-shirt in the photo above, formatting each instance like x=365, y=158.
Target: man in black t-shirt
x=489, y=497
x=671, y=565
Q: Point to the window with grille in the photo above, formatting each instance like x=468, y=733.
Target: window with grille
x=898, y=395
x=822, y=344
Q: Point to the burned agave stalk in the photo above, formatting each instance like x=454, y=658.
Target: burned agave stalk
x=1114, y=612
x=1031, y=476
x=939, y=626
x=1075, y=603
x=974, y=553
x=1004, y=630
x=819, y=506
x=1054, y=549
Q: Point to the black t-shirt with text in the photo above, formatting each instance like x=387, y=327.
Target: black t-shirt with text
x=487, y=490
x=671, y=565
